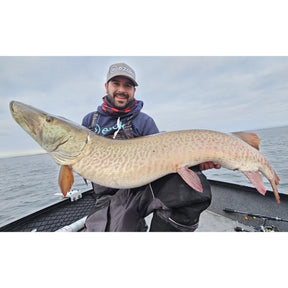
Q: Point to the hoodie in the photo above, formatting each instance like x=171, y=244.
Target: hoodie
x=106, y=124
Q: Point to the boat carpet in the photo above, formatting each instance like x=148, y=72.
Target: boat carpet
x=55, y=216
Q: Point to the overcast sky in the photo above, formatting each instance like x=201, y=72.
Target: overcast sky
x=220, y=93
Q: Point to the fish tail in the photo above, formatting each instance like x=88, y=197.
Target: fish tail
x=276, y=178
x=275, y=189
x=274, y=183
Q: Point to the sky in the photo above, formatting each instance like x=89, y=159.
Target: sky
x=222, y=93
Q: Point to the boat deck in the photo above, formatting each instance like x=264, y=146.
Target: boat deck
x=247, y=199
x=212, y=222
x=54, y=217
x=214, y=219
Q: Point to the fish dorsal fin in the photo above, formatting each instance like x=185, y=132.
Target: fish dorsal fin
x=65, y=179
x=250, y=138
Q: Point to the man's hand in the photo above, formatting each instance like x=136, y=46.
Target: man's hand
x=208, y=165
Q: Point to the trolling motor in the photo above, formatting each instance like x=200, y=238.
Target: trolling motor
x=263, y=227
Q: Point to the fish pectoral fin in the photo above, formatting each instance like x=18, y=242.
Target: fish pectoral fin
x=65, y=179
x=191, y=178
x=256, y=179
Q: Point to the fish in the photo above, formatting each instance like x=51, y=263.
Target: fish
x=139, y=161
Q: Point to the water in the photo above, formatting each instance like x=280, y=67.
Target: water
x=29, y=183
x=274, y=147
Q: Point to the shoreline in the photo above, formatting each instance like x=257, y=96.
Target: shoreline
x=22, y=153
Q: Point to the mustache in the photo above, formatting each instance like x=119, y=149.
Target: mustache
x=121, y=94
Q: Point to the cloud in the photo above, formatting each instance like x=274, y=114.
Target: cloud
x=220, y=93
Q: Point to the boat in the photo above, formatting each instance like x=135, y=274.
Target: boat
x=247, y=209
x=233, y=208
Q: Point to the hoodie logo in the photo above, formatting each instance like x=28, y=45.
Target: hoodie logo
x=103, y=131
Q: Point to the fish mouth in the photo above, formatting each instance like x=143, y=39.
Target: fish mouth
x=11, y=106
x=27, y=117
x=60, y=144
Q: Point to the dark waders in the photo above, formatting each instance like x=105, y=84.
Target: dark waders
x=176, y=206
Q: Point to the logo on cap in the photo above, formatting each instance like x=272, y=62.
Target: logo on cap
x=114, y=69
x=121, y=69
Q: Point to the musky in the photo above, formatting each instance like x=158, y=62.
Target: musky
x=220, y=93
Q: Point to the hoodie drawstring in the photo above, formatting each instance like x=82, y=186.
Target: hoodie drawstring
x=118, y=126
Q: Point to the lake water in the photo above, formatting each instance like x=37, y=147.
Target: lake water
x=28, y=183
x=274, y=147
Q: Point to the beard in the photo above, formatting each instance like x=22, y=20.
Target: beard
x=110, y=108
x=124, y=95
x=121, y=102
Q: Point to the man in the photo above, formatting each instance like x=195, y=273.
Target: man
x=120, y=114
x=175, y=205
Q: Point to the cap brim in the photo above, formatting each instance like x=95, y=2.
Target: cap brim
x=130, y=78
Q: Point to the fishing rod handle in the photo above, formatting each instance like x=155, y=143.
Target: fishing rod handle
x=228, y=210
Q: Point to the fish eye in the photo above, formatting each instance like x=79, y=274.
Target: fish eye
x=49, y=119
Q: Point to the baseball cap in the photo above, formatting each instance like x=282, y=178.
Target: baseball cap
x=121, y=69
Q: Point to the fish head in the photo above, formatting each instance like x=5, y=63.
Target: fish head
x=61, y=138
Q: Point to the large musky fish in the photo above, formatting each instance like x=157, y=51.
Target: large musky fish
x=136, y=162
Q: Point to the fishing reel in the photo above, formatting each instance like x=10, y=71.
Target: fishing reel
x=269, y=229
x=262, y=228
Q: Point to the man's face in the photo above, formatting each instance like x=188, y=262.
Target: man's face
x=120, y=91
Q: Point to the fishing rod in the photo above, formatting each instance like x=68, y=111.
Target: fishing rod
x=263, y=227
x=228, y=210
